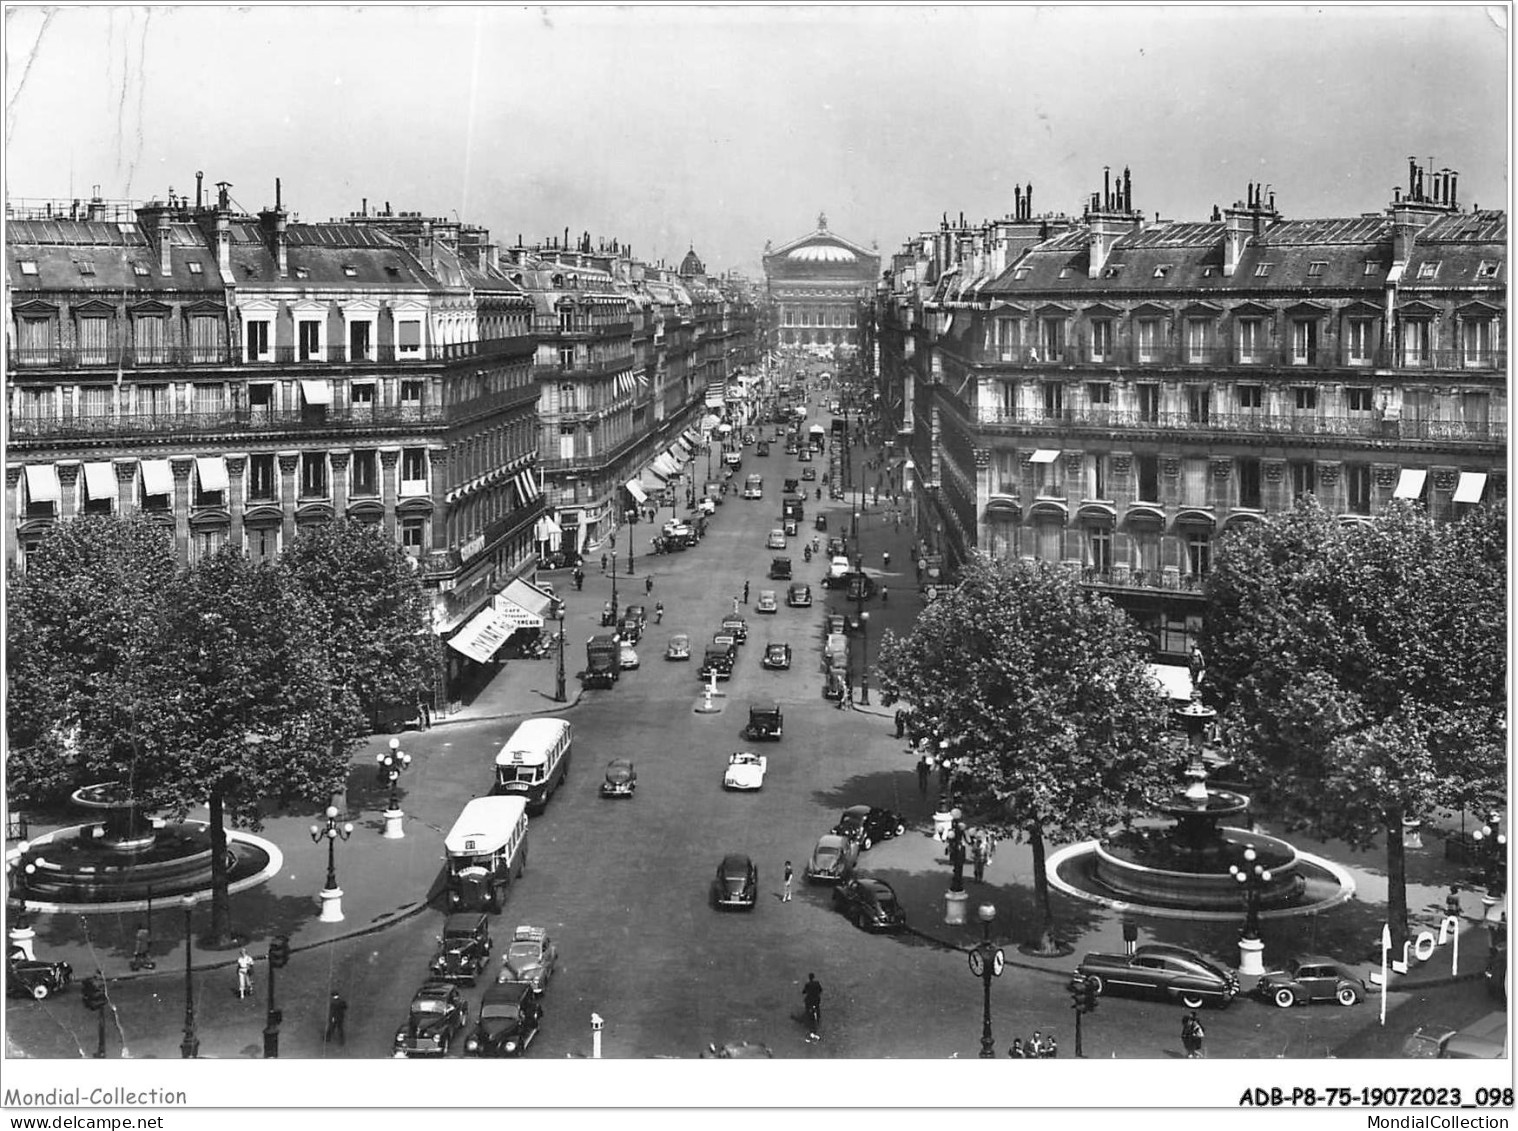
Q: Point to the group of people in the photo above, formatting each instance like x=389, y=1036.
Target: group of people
x=1038, y=1046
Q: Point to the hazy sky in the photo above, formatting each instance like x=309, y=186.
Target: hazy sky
x=727, y=126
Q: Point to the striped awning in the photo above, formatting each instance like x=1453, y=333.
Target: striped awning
x=486, y=631
x=680, y=451
x=714, y=400
x=526, y=485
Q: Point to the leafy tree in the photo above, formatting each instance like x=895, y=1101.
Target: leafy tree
x=372, y=611
x=1040, y=687
x=82, y=624
x=247, y=709
x=1361, y=669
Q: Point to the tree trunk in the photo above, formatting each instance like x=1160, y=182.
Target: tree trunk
x=1046, y=944
x=1396, y=880
x=221, y=904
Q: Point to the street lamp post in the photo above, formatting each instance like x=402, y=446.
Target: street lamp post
x=632, y=518
x=986, y=962
x=1251, y=877
x=189, y=1048
x=331, y=895
x=558, y=615
x=1491, y=842
x=17, y=868
x=392, y=763
x=614, y=605
x=864, y=659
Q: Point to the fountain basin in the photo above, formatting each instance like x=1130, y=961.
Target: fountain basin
x=1148, y=866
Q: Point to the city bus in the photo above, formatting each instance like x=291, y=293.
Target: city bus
x=534, y=761
x=753, y=487
x=487, y=849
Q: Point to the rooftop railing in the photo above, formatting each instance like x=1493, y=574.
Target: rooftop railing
x=1251, y=423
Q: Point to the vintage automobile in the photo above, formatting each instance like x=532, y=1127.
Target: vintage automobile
x=706, y=505
x=737, y=626
x=438, y=1014
x=820, y=522
x=736, y=883
x=629, y=630
x=839, y=569
x=780, y=569
x=768, y=603
x=530, y=958
x=745, y=771
x=776, y=540
x=1486, y=1039
x=833, y=859
x=868, y=825
x=870, y=904
x=789, y=526
x=463, y=947
x=718, y=662
x=799, y=596
x=859, y=586
x=33, y=978
x=638, y=613
x=777, y=656
x=805, y=455
x=679, y=647
x=765, y=722
x=1311, y=978
x=621, y=778
x=627, y=656
x=509, y=1018
x=762, y=448
x=1163, y=972
x=791, y=486
x=837, y=548
x=832, y=625
x=809, y=474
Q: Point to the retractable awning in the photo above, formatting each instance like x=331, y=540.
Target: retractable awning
x=1410, y=484
x=529, y=600
x=526, y=485
x=635, y=489
x=157, y=477
x=486, y=631
x=212, y=471
x=42, y=482
x=548, y=529
x=1044, y=455
x=100, y=480
x=1471, y=484
x=316, y=391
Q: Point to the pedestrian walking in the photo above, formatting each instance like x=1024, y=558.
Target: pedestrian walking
x=603, y=563
x=244, y=973
x=922, y=775
x=142, y=940
x=745, y=592
x=648, y=583
x=978, y=856
x=811, y=996
x=1452, y=902
x=789, y=875
x=659, y=612
x=885, y=593
x=1192, y=1035
x=901, y=723
x=337, y=1014
x=424, y=714
x=579, y=576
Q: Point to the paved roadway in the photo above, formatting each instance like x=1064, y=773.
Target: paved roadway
x=622, y=885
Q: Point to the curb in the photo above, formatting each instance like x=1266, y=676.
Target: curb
x=573, y=701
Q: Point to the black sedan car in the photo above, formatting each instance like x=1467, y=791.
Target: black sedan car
x=870, y=904
x=1312, y=978
x=621, y=778
x=799, y=596
x=438, y=1014
x=867, y=825
x=463, y=947
x=736, y=883
x=777, y=656
x=509, y=1018
x=27, y=977
x=1162, y=972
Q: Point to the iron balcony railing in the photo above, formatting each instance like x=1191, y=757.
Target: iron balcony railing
x=1257, y=423
x=171, y=356
x=1148, y=579
x=1129, y=355
x=73, y=426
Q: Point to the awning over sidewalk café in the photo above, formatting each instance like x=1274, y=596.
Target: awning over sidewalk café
x=486, y=631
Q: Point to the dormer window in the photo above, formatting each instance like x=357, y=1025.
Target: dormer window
x=302, y=273
x=1209, y=272
x=86, y=267
x=1163, y=270
x=393, y=271
x=1065, y=272
x=1262, y=269
x=1111, y=272
x=350, y=270
x=194, y=267
x=1486, y=269
x=1428, y=270
x=28, y=266
x=1371, y=267
x=1019, y=275
x=1315, y=269
x=140, y=270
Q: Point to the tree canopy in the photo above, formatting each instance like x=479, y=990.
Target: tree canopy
x=1361, y=668
x=1041, y=690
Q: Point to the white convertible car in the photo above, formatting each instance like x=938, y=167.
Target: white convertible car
x=744, y=771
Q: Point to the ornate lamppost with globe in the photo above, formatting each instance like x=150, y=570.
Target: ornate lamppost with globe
x=632, y=519
x=17, y=868
x=189, y=1048
x=1252, y=876
x=986, y=962
x=558, y=615
x=1491, y=851
x=392, y=763
x=331, y=895
x=864, y=664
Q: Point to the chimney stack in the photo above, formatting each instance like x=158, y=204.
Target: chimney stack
x=1245, y=219
x=1109, y=218
x=273, y=222
x=199, y=177
x=1420, y=206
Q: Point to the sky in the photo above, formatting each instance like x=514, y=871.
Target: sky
x=723, y=127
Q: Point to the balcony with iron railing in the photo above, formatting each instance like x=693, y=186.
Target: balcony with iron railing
x=1247, y=423
x=314, y=419
x=1128, y=356
x=1143, y=580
